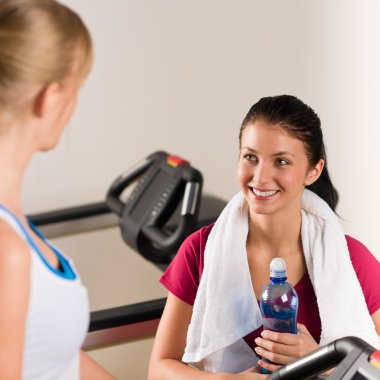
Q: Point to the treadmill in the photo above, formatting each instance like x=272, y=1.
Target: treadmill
x=156, y=203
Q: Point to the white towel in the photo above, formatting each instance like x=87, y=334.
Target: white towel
x=226, y=309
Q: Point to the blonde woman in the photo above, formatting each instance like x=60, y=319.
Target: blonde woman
x=45, y=53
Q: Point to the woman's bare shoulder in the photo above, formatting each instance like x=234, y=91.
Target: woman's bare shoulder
x=14, y=252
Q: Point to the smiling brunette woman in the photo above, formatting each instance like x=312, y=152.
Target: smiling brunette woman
x=211, y=327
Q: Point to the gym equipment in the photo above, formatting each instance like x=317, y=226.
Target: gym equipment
x=163, y=182
x=131, y=200
x=353, y=358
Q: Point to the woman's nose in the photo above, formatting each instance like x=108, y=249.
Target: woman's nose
x=262, y=173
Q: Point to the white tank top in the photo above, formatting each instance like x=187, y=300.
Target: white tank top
x=58, y=314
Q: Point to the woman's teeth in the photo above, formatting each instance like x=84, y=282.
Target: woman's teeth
x=267, y=193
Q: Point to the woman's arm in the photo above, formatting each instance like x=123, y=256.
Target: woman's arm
x=169, y=346
x=91, y=370
x=376, y=320
x=14, y=297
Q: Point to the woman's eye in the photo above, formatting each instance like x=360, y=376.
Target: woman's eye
x=282, y=162
x=250, y=157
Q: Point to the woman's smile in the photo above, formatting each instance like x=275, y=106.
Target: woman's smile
x=261, y=194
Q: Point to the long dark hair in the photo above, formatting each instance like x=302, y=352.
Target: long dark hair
x=300, y=121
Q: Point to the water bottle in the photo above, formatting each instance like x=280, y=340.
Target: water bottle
x=279, y=302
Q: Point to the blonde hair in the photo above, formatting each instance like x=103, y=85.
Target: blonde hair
x=41, y=41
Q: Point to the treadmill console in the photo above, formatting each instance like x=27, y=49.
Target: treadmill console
x=157, y=184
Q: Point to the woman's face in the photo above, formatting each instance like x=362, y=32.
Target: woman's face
x=273, y=169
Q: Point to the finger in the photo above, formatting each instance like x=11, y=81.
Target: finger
x=273, y=357
x=302, y=329
x=278, y=348
x=268, y=366
x=285, y=338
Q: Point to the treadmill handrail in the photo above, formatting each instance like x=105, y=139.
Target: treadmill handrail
x=69, y=214
x=125, y=315
x=323, y=359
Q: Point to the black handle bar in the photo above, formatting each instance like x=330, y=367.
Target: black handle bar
x=323, y=359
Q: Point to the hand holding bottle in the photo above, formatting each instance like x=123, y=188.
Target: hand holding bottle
x=283, y=348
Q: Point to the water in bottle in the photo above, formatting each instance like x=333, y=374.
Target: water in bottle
x=279, y=301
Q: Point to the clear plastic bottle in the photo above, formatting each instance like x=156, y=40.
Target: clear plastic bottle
x=279, y=301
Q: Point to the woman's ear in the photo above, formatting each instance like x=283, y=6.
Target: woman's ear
x=314, y=173
x=46, y=99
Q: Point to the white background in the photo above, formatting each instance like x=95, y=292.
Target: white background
x=180, y=76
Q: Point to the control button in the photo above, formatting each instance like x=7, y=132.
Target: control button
x=375, y=359
x=176, y=161
x=162, y=200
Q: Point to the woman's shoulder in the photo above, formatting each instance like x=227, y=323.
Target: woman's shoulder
x=196, y=241
x=357, y=249
x=354, y=243
x=367, y=268
x=363, y=261
x=203, y=231
x=14, y=252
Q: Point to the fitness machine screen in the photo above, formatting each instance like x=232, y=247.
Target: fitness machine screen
x=155, y=187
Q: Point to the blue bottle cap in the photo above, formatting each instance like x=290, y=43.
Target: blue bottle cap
x=277, y=268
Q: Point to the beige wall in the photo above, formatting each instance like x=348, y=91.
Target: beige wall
x=180, y=76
